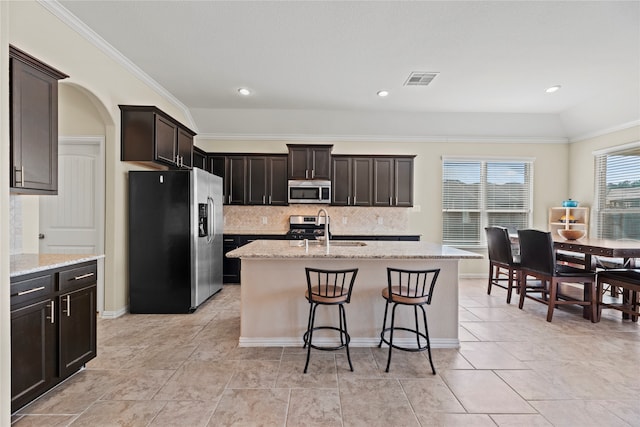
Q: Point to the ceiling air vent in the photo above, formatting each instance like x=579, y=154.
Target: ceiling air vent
x=420, y=78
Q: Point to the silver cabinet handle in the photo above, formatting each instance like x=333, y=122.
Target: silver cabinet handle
x=269, y=199
x=84, y=276
x=19, y=170
x=354, y=200
x=306, y=173
x=313, y=173
x=68, y=310
x=348, y=200
x=52, y=316
x=30, y=291
x=264, y=200
x=390, y=201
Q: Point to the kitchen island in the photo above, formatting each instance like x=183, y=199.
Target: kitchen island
x=274, y=311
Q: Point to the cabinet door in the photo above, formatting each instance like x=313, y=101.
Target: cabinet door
x=403, y=183
x=77, y=329
x=230, y=266
x=33, y=351
x=200, y=160
x=256, y=180
x=362, y=181
x=185, y=148
x=298, y=163
x=166, y=134
x=341, y=182
x=236, y=180
x=34, y=129
x=383, y=181
x=320, y=166
x=277, y=191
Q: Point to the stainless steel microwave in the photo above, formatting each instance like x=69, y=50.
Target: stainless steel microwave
x=315, y=191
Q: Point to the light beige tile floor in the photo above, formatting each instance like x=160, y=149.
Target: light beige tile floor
x=512, y=369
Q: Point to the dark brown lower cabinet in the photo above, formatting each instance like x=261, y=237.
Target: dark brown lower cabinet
x=77, y=339
x=53, y=328
x=33, y=351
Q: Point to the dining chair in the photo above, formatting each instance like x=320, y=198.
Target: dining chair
x=328, y=287
x=628, y=281
x=504, y=266
x=413, y=288
x=538, y=260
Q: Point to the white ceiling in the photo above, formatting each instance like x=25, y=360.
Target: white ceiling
x=315, y=66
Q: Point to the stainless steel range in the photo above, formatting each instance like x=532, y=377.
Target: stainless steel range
x=306, y=227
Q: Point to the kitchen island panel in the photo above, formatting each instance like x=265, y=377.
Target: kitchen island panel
x=274, y=311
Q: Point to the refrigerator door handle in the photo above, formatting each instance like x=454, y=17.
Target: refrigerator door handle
x=212, y=223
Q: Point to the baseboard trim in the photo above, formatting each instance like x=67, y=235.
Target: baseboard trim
x=114, y=314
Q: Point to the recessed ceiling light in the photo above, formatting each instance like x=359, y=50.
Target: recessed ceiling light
x=553, y=89
x=244, y=91
x=383, y=93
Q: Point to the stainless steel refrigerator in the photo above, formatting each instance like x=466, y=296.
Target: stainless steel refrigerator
x=175, y=240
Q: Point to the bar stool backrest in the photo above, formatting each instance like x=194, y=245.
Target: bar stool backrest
x=412, y=284
x=328, y=285
x=536, y=251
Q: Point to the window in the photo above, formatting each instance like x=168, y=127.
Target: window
x=617, y=204
x=481, y=193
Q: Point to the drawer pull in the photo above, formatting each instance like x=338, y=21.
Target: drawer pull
x=30, y=291
x=84, y=276
x=68, y=311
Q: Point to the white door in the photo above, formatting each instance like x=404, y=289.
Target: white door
x=73, y=221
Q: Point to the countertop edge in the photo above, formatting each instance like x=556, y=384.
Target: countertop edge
x=21, y=264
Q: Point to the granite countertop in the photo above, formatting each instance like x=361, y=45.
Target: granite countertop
x=282, y=249
x=31, y=263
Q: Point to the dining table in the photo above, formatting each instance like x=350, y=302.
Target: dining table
x=591, y=248
x=588, y=250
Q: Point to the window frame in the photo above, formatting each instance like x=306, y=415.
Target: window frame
x=600, y=184
x=483, y=209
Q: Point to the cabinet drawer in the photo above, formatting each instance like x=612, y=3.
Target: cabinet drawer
x=76, y=277
x=30, y=289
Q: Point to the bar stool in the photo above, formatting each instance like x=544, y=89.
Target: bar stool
x=412, y=288
x=328, y=287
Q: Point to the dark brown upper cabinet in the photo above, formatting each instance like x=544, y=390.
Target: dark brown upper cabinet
x=352, y=180
x=232, y=169
x=393, y=181
x=309, y=161
x=266, y=180
x=33, y=100
x=150, y=135
x=200, y=159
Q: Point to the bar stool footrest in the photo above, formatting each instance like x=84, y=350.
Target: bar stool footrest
x=399, y=347
x=343, y=333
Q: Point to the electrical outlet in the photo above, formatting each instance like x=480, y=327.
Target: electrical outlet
x=344, y=220
x=380, y=220
x=264, y=220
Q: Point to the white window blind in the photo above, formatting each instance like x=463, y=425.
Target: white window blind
x=617, y=205
x=481, y=193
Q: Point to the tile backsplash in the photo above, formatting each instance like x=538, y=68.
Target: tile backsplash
x=344, y=219
x=15, y=225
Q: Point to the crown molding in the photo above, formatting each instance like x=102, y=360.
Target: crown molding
x=381, y=138
x=92, y=37
x=607, y=131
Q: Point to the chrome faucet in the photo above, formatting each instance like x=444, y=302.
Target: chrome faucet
x=326, y=225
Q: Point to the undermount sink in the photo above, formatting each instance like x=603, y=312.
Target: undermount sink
x=345, y=243
x=331, y=243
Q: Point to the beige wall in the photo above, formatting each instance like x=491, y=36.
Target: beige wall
x=5, y=340
x=581, y=165
x=105, y=84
